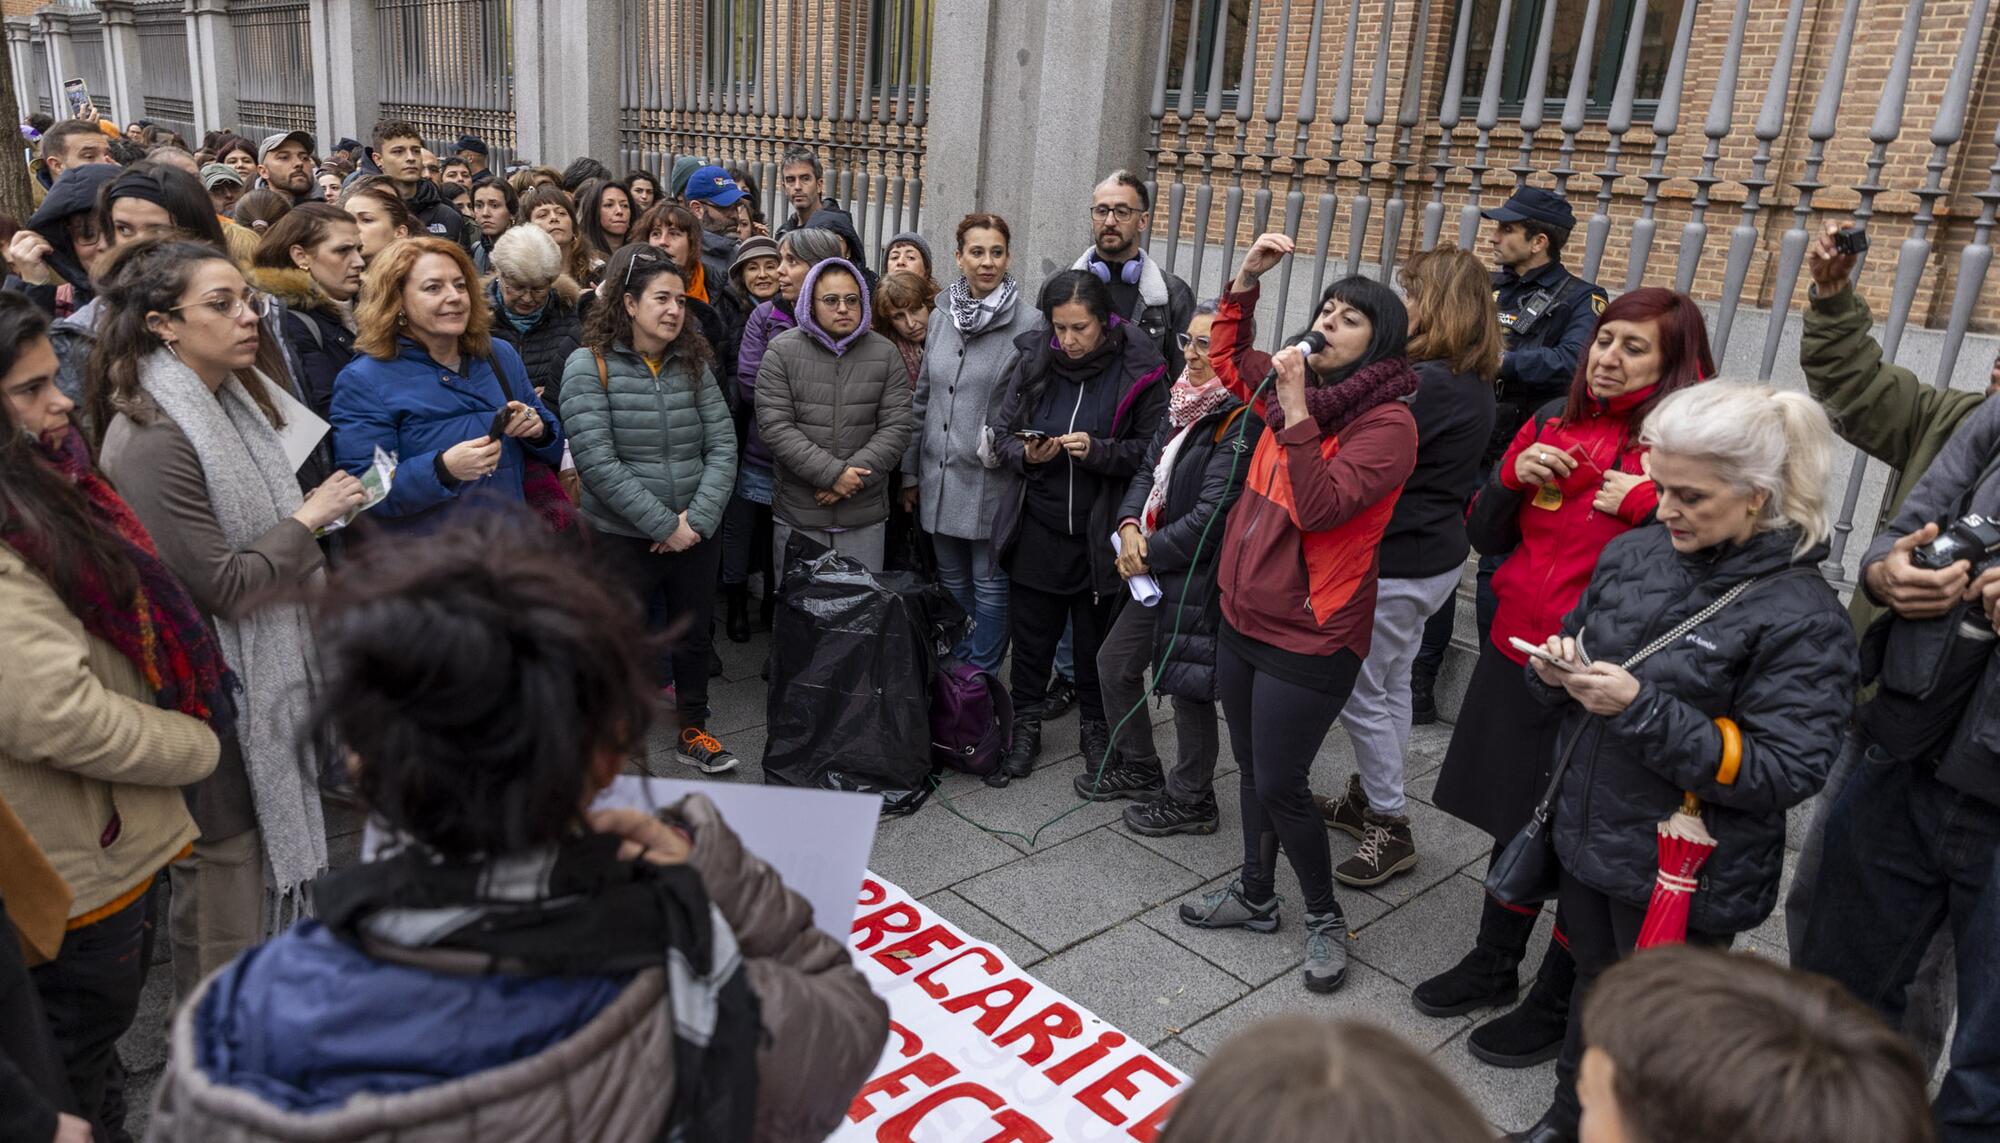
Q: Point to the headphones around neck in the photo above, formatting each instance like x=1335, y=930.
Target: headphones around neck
x=1127, y=273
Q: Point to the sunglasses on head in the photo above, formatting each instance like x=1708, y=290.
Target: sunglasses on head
x=653, y=258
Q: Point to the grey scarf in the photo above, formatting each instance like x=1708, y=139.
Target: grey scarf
x=975, y=315
x=251, y=489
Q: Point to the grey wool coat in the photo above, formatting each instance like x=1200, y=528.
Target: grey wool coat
x=958, y=394
x=648, y=447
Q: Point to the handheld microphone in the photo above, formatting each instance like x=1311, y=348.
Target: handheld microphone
x=1309, y=343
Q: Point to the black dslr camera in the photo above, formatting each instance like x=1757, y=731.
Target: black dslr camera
x=1851, y=241
x=1973, y=538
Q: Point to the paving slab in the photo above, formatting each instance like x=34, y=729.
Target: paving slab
x=1142, y=983
x=980, y=924
x=1512, y=1099
x=1176, y=1052
x=1367, y=995
x=932, y=850
x=1059, y=896
x=1255, y=958
x=1043, y=806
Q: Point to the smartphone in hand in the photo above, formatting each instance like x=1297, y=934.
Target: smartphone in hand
x=1536, y=651
x=498, y=429
x=1031, y=434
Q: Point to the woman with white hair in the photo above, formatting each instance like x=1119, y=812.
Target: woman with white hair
x=1707, y=666
x=536, y=304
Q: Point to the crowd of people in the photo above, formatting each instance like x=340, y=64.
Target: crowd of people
x=273, y=421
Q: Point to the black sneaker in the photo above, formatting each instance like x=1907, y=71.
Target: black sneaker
x=1022, y=750
x=1164, y=816
x=1095, y=739
x=1061, y=697
x=1348, y=812
x=1123, y=778
x=1423, y=702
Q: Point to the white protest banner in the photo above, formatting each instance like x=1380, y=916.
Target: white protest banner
x=981, y=1052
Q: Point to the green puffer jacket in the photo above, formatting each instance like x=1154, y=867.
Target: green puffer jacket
x=1878, y=407
x=648, y=447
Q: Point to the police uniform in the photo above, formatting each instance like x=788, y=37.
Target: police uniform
x=1547, y=316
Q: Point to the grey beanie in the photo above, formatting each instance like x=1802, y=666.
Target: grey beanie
x=924, y=248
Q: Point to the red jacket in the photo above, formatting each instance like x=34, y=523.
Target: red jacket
x=1546, y=575
x=1299, y=567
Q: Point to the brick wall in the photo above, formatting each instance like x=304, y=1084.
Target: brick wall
x=1904, y=170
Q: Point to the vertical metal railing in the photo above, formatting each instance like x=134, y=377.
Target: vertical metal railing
x=86, y=53
x=44, y=100
x=166, y=88
x=447, y=66
x=736, y=81
x=274, y=65
x=1644, y=187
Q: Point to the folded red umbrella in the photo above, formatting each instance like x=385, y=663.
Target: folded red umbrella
x=1685, y=844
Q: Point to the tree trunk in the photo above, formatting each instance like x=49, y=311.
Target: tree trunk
x=16, y=197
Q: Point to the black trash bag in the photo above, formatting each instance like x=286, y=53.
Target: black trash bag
x=852, y=655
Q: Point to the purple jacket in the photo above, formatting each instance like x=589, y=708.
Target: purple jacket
x=765, y=322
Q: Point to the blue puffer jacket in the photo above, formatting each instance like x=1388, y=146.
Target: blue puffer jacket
x=300, y=1021
x=416, y=409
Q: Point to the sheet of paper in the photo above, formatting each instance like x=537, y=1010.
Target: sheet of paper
x=1144, y=588
x=303, y=430
x=817, y=840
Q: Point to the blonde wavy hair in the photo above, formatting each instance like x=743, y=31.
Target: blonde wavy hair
x=1759, y=439
x=378, y=317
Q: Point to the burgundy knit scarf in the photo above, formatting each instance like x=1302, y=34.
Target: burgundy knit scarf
x=158, y=628
x=1333, y=406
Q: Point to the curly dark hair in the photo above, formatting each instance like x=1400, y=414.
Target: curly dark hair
x=609, y=325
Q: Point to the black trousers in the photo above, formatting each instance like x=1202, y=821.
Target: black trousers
x=1601, y=932
x=1035, y=622
x=1275, y=729
x=682, y=584
x=90, y=994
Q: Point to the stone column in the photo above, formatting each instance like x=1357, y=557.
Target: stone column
x=566, y=90
x=211, y=64
x=1018, y=122
x=21, y=55
x=62, y=58
x=347, y=70
x=121, y=59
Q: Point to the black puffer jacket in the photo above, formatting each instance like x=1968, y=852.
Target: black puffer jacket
x=546, y=347
x=1780, y=661
x=316, y=328
x=1208, y=477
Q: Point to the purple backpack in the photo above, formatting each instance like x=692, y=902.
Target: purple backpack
x=971, y=718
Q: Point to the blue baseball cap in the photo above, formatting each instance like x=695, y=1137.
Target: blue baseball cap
x=714, y=186
x=1533, y=204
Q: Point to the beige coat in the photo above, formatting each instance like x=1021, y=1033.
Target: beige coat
x=82, y=744
x=613, y=1080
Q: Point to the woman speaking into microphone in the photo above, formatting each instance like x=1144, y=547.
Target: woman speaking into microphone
x=1298, y=574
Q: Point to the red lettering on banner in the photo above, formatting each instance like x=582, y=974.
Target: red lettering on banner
x=872, y=892
x=900, y=917
x=1148, y=1129
x=1057, y=1073
x=1014, y=989
x=927, y=979
x=897, y=957
x=930, y=1071
x=1014, y=1127
x=1119, y=1080
x=1057, y=1021
x=910, y=1043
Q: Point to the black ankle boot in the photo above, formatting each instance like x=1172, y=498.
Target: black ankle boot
x=1489, y=976
x=1022, y=751
x=1555, y=1126
x=1423, y=702
x=1534, y=1031
x=765, y=606
x=737, y=622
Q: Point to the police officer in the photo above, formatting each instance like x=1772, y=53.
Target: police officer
x=1546, y=312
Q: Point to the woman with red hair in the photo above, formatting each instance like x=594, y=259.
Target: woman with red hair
x=1572, y=480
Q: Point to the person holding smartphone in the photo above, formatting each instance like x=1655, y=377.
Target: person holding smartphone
x=1571, y=482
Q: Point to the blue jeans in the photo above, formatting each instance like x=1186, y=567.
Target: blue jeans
x=1905, y=854
x=967, y=570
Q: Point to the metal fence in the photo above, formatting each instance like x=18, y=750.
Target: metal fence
x=274, y=65
x=1393, y=166
x=86, y=44
x=735, y=81
x=166, y=87
x=448, y=67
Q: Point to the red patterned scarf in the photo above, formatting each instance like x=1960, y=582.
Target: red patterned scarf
x=159, y=628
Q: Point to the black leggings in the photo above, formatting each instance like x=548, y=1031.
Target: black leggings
x=683, y=584
x=1275, y=729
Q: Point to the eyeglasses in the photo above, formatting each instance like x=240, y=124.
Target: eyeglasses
x=229, y=307
x=1101, y=212
x=840, y=301
x=1198, y=344
x=651, y=259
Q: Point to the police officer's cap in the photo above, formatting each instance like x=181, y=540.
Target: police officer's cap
x=1533, y=204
